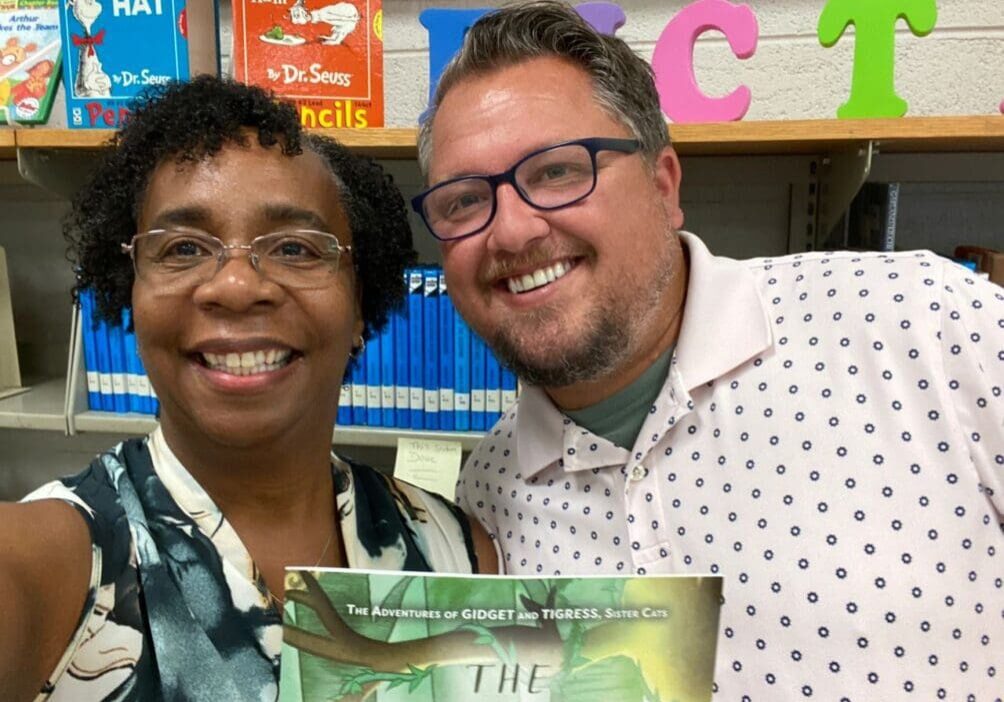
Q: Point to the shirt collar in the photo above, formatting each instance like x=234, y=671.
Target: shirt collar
x=724, y=325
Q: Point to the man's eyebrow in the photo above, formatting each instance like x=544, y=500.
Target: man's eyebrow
x=290, y=214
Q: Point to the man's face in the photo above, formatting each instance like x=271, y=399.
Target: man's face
x=616, y=249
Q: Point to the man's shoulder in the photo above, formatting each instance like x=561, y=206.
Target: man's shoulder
x=502, y=433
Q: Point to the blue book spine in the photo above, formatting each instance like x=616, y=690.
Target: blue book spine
x=374, y=386
x=479, y=353
x=344, y=416
x=447, y=419
x=134, y=369
x=90, y=349
x=430, y=345
x=416, y=369
x=116, y=345
x=359, y=391
x=509, y=386
x=493, y=389
x=461, y=374
x=402, y=390
x=107, y=403
x=387, y=398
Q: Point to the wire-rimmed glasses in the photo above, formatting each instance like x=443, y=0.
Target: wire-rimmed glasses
x=548, y=179
x=183, y=257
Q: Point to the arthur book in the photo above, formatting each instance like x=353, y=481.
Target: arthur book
x=115, y=49
x=29, y=59
x=355, y=635
x=325, y=57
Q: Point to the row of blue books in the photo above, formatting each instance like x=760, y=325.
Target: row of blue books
x=116, y=380
x=426, y=369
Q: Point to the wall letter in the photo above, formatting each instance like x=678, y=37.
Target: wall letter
x=873, y=90
x=673, y=61
x=447, y=27
x=605, y=17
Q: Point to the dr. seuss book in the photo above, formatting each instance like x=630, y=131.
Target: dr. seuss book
x=29, y=59
x=115, y=49
x=325, y=57
x=365, y=635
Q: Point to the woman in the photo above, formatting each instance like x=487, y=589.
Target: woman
x=256, y=260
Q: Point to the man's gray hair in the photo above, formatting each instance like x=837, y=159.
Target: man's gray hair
x=623, y=82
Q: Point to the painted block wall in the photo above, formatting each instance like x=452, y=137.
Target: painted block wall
x=957, y=69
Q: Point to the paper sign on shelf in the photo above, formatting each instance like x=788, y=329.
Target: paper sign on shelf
x=428, y=464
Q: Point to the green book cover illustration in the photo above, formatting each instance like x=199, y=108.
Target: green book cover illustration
x=384, y=637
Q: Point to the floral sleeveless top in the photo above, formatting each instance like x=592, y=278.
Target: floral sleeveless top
x=176, y=608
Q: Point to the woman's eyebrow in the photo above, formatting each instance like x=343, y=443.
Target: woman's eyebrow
x=187, y=216
x=291, y=214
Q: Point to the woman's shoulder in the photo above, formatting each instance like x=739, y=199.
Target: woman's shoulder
x=393, y=515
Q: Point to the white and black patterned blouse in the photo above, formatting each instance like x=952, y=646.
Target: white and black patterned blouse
x=176, y=607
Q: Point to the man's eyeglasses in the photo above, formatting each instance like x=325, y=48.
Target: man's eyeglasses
x=548, y=179
x=182, y=258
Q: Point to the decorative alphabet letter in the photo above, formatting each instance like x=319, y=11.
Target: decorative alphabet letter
x=873, y=90
x=673, y=61
x=605, y=17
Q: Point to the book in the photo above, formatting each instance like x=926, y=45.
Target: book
x=29, y=59
x=446, y=357
x=461, y=374
x=871, y=219
x=112, y=51
x=416, y=368
x=385, y=636
x=88, y=331
x=478, y=365
x=387, y=397
x=324, y=56
x=372, y=356
x=430, y=345
x=402, y=390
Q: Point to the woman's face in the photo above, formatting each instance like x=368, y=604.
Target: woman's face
x=303, y=335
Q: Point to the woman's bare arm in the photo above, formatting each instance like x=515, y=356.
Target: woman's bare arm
x=45, y=566
x=484, y=548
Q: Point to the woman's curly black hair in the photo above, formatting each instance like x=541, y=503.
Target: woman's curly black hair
x=192, y=121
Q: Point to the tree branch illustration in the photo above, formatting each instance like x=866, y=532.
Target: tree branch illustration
x=541, y=645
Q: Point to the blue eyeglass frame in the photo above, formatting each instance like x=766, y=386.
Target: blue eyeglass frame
x=593, y=145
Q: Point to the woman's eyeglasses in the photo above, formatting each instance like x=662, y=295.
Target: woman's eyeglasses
x=183, y=257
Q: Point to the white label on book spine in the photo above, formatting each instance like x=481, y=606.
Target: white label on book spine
x=345, y=396
x=493, y=401
x=105, y=383
x=401, y=396
x=387, y=396
x=132, y=384
x=118, y=383
x=373, y=396
x=93, y=382
x=508, y=398
x=446, y=399
x=431, y=401
x=462, y=401
x=358, y=395
x=477, y=400
x=143, y=388
x=417, y=399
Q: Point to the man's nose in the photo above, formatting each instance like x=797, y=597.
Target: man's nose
x=517, y=223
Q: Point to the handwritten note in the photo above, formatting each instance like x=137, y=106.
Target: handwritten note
x=431, y=465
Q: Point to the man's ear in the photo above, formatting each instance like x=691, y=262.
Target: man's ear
x=667, y=175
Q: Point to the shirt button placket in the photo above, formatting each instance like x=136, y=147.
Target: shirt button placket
x=635, y=505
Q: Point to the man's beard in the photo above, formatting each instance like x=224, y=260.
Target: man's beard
x=600, y=345
x=603, y=345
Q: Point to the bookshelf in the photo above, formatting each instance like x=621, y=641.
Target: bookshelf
x=903, y=135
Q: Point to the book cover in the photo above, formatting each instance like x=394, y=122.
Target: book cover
x=354, y=635
x=29, y=59
x=325, y=57
x=88, y=326
x=102, y=345
x=479, y=361
x=493, y=389
x=114, y=50
x=461, y=374
x=509, y=387
x=116, y=346
x=134, y=398
x=357, y=373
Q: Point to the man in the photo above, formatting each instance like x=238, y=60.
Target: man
x=823, y=430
